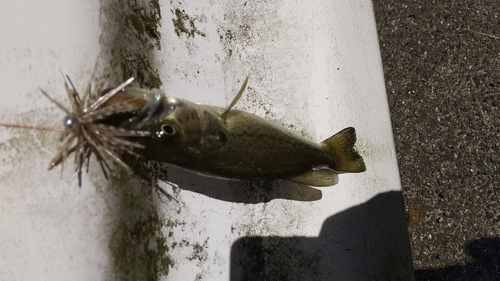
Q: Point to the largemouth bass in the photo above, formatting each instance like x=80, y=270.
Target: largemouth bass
x=236, y=144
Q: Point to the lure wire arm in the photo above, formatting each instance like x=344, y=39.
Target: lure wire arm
x=100, y=101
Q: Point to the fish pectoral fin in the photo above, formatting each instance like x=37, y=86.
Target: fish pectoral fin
x=214, y=133
x=213, y=141
x=236, y=99
x=324, y=177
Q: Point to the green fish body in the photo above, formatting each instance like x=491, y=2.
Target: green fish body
x=235, y=144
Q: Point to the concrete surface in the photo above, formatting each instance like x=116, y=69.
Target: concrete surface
x=49, y=228
x=442, y=68
x=314, y=68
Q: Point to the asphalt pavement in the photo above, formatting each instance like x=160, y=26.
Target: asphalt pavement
x=441, y=64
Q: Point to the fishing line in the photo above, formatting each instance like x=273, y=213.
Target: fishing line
x=32, y=127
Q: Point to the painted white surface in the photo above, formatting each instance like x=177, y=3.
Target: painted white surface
x=314, y=65
x=49, y=228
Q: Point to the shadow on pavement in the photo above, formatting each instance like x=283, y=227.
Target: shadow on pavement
x=484, y=267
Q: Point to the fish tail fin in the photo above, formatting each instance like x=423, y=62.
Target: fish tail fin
x=341, y=147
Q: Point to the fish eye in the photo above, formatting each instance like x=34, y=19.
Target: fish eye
x=168, y=129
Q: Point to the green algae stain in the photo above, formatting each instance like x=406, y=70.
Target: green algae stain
x=130, y=38
x=138, y=247
x=183, y=24
x=129, y=41
x=199, y=252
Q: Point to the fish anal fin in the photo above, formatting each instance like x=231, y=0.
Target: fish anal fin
x=324, y=177
x=341, y=147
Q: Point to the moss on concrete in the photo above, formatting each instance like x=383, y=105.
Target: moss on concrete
x=129, y=42
x=184, y=24
x=138, y=247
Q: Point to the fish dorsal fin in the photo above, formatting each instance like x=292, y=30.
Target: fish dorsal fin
x=323, y=177
x=235, y=100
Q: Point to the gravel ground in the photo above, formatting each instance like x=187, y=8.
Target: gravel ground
x=442, y=70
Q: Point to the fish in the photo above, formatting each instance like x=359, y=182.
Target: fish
x=234, y=144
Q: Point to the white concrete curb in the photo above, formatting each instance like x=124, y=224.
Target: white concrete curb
x=314, y=67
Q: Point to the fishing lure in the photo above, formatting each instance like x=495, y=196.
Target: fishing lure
x=87, y=132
